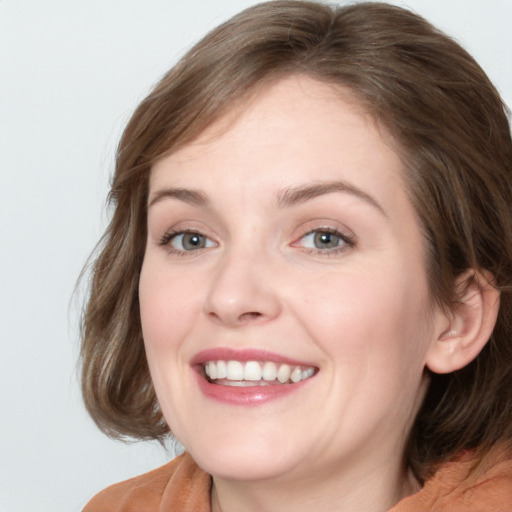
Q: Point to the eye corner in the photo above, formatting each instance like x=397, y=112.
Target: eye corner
x=325, y=241
x=186, y=242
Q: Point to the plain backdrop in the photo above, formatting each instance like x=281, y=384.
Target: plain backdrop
x=71, y=72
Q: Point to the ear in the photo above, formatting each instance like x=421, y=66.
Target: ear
x=463, y=331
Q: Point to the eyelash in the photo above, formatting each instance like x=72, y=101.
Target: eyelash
x=348, y=242
x=169, y=236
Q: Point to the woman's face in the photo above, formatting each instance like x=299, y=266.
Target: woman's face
x=282, y=243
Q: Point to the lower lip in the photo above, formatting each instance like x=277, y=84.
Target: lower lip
x=249, y=395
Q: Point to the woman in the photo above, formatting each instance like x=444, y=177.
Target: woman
x=307, y=275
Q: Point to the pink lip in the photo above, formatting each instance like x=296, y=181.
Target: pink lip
x=244, y=396
x=229, y=354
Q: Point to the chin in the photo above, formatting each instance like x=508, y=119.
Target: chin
x=249, y=469
x=250, y=460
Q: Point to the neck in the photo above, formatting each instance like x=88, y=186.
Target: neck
x=376, y=489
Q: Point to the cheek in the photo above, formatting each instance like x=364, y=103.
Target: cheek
x=167, y=309
x=373, y=318
x=167, y=305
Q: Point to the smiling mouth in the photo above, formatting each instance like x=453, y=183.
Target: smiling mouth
x=255, y=373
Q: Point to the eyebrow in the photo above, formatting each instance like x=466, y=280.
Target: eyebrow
x=292, y=196
x=193, y=197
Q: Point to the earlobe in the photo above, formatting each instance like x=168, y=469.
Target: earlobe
x=465, y=329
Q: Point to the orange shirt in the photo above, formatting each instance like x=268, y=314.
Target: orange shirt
x=181, y=486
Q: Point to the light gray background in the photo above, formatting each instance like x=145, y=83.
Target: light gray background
x=71, y=73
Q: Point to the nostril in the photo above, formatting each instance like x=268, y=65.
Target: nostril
x=236, y=319
x=250, y=315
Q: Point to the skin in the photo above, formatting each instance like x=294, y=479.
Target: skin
x=359, y=312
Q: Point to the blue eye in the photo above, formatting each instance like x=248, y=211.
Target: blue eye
x=322, y=240
x=186, y=241
x=326, y=241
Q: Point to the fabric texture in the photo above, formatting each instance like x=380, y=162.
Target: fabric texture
x=181, y=486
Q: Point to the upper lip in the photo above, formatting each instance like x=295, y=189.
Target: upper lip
x=230, y=354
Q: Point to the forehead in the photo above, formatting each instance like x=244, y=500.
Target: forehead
x=301, y=97
x=289, y=132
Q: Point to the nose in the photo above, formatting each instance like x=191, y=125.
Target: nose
x=242, y=291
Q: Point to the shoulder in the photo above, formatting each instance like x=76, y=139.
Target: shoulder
x=179, y=485
x=466, y=485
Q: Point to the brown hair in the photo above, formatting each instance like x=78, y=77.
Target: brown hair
x=451, y=130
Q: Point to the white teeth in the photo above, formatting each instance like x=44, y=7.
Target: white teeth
x=252, y=371
x=255, y=373
x=222, y=370
x=296, y=375
x=243, y=383
x=213, y=370
x=235, y=370
x=269, y=371
x=283, y=374
x=305, y=374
